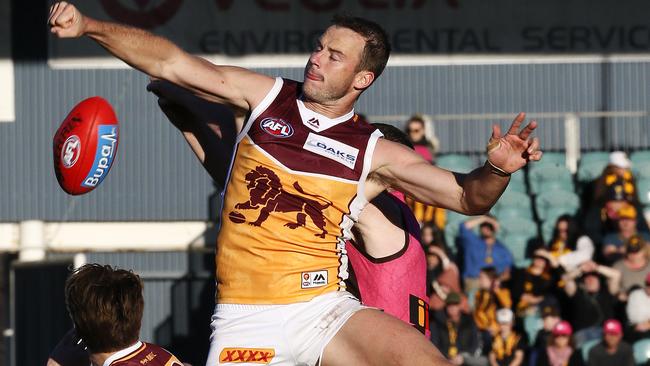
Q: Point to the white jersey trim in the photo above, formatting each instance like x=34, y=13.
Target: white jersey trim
x=122, y=353
x=264, y=104
x=358, y=203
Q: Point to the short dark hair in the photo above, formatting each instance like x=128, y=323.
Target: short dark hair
x=106, y=306
x=491, y=272
x=377, y=48
x=392, y=133
x=488, y=225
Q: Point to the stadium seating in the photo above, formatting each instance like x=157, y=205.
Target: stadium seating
x=551, y=158
x=640, y=156
x=641, y=351
x=643, y=188
x=587, y=346
x=552, y=204
x=588, y=171
x=641, y=169
x=550, y=173
x=532, y=325
x=456, y=163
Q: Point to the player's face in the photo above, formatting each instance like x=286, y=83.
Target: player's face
x=332, y=67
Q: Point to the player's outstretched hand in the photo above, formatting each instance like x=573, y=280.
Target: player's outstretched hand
x=512, y=151
x=65, y=20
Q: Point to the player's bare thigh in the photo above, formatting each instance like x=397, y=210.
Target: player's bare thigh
x=371, y=337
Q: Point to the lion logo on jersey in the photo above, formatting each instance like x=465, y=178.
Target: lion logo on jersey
x=267, y=195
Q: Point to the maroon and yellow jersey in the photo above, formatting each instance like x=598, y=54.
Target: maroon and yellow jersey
x=294, y=190
x=142, y=354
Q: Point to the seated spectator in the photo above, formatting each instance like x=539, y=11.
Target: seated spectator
x=560, y=350
x=613, y=189
x=613, y=242
x=634, y=267
x=430, y=234
x=550, y=318
x=638, y=312
x=443, y=278
x=612, y=350
x=482, y=250
x=416, y=131
x=488, y=299
x=590, y=303
x=537, y=282
x=455, y=334
x=567, y=245
x=507, y=346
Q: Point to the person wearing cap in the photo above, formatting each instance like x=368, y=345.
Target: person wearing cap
x=590, y=303
x=612, y=350
x=550, y=318
x=638, y=312
x=614, y=242
x=560, y=350
x=455, y=334
x=634, y=266
x=507, y=346
x=537, y=282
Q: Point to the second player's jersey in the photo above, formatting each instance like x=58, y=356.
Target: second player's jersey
x=397, y=283
x=294, y=189
x=142, y=354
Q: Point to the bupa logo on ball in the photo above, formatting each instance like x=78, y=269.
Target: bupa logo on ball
x=106, y=141
x=70, y=151
x=276, y=127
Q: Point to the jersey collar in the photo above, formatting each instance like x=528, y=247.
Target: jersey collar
x=316, y=121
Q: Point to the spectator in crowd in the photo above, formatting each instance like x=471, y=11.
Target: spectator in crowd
x=507, y=346
x=560, y=351
x=638, y=312
x=612, y=350
x=443, y=277
x=537, y=282
x=431, y=234
x=634, y=267
x=613, y=242
x=455, y=334
x=616, y=183
x=615, y=188
x=489, y=297
x=568, y=246
x=550, y=318
x=590, y=303
x=482, y=250
x=416, y=131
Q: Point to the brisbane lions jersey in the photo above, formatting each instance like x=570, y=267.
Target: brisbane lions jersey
x=142, y=354
x=294, y=189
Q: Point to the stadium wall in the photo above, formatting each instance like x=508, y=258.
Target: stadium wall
x=156, y=177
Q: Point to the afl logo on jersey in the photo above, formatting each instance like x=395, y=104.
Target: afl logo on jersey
x=276, y=127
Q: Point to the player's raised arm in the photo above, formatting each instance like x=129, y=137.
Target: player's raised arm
x=160, y=58
x=470, y=194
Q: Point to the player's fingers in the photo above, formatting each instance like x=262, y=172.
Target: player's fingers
x=516, y=123
x=65, y=15
x=496, y=132
x=536, y=156
x=534, y=146
x=53, y=10
x=525, y=133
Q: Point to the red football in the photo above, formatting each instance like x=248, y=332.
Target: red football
x=85, y=145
